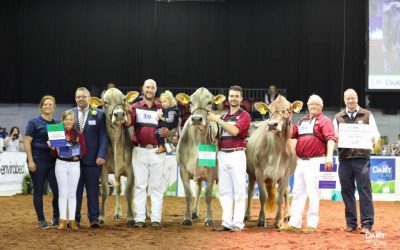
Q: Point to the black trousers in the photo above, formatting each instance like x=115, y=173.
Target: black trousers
x=352, y=173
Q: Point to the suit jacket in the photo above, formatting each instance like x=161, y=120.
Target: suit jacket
x=95, y=136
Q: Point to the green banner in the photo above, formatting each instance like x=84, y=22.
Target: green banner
x=207, y=155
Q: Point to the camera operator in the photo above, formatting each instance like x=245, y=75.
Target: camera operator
x=14, y=143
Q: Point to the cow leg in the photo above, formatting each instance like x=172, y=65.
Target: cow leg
x=286, y=215
x=263, y=197
x=129, y=199
x=118, y=210
x=282, y=188
x=195, y=213
x=187, y=220
x=250, y=194
x=104, y=194
x=208, y=195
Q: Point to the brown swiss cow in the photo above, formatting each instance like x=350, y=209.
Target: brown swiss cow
x=271, y=156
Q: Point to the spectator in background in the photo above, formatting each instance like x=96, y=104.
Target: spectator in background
x=272, y=94
x=14, y=142
x=174, y=143
x=41, y=163
x=109, y=86
x=398, y=139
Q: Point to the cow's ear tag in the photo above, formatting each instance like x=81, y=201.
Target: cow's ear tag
x=94, y=102
x=297, y=106
x=131, y=96
x=219, y=99
x=261, y=107
x=182, y=98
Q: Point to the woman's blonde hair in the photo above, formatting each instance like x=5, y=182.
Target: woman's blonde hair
x=44, y=98
x=67, y=113
x=167, y=95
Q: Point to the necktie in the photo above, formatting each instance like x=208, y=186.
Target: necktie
x=82, y=120
x=352, y=114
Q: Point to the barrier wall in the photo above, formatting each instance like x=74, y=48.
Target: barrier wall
x=385, y=178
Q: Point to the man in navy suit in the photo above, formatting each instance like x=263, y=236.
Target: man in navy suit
x=92, y=123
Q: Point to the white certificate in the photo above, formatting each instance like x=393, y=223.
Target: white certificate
x=355, y=136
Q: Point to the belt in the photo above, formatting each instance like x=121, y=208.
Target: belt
x=148, y=146
x=310, y=157
x=230, y=150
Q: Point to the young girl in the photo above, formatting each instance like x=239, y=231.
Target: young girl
x=168, y=118
x=68, y=169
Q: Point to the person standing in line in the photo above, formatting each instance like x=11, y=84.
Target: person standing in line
x=41, y=163
x=354, y=166
x=315, y=144
x=92, y=124
x=68, y=170
x=147, y=164
x=232, y=161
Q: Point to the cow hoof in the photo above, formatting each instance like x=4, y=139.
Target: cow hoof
x=187, y=222
x=261, y=224
x=209, y=223
x=195, y=216
x=130, y=223
x=101, y=220
x=246, y=218
x=117, y=216
x=286, y=219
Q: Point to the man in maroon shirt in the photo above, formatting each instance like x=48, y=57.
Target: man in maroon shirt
x=147, y=165
x=232, y=161
x=315, y=144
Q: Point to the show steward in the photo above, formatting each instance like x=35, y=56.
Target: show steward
x=198, y=130
x=147, y=165
x=354, y=164
x=315, y=144
x=271, y=158
x=231, y=158
x=119, y=150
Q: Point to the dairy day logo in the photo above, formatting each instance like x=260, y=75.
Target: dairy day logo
x=383, y=175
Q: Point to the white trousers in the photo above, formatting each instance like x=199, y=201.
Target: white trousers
x=232, y=187
x=67, y=174
x=306, y=182
x=148, y=172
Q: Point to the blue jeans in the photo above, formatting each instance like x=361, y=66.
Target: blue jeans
x=160, y=140
x=89, y=179
x=44, y=170
x=357, y=170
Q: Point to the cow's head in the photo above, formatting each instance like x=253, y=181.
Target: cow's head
x=280, y=112
x=115, y=104
x=201, y=102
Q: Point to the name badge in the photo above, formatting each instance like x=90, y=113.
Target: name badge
x=307, y=127
x=146, y=116
x=92, y=122
x=226, y=133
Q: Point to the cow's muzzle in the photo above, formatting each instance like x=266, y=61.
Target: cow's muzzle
x=197, y=120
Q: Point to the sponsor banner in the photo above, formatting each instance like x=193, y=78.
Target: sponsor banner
x=384, y=81
x=383, y=175
x=13, y=168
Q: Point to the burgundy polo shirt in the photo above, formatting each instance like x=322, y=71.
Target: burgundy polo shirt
x=240, y=119
x=313, y=145
x=144, y=133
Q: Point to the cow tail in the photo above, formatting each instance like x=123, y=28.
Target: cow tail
x=271, y=203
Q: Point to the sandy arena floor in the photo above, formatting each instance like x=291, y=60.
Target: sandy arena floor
x=18, y=230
